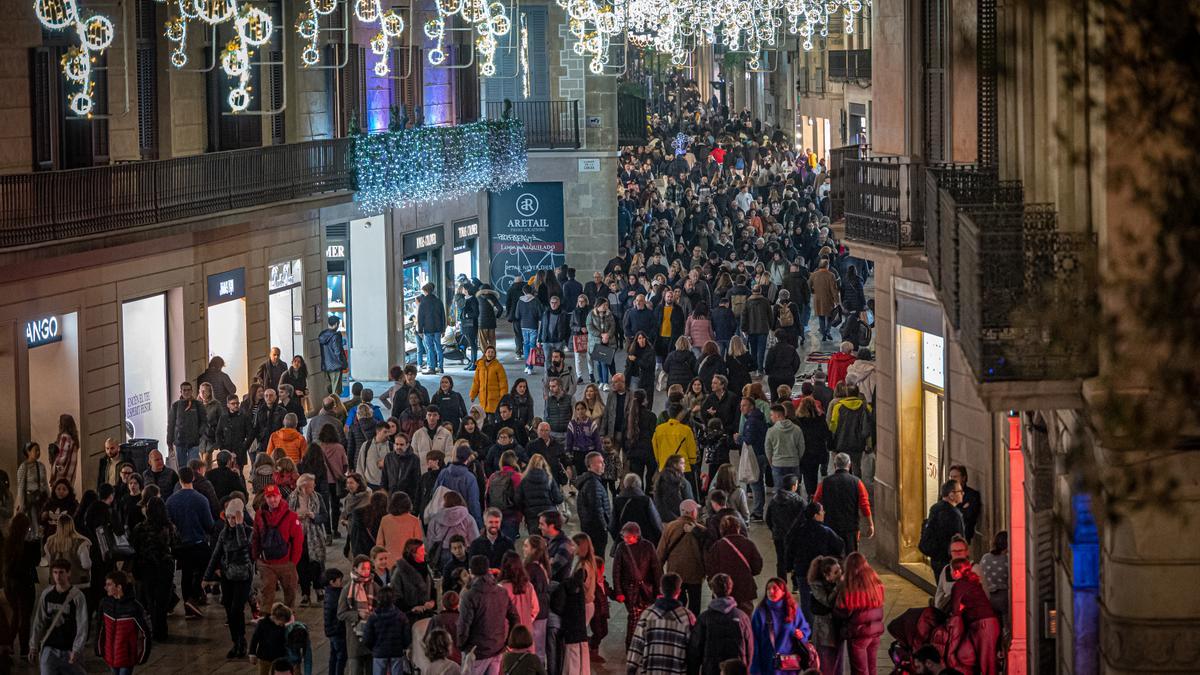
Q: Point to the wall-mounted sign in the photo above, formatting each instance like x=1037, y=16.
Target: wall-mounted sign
x=42, y=331
x=284, y=274
x=423, y=240
x=226, y=286
x=335, y=251
x=525, y=226
x=466, y=230
x=593, y=122
x=589, y=166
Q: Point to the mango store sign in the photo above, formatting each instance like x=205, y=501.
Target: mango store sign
x=43, y=331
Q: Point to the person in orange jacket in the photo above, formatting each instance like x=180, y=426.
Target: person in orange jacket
x=288, y=439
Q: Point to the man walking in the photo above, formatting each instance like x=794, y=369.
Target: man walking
x=60, y=625
x=844, y=496
x=191, y=514
x=785, y=446
x=852, y=422
x=485, y=616
x=277, y=546
x=660, y=639
x=592, y=502
x=271, y=370
x=944, y=522
x=431, y=323
x=527, y=316
x=184, y=421
x=235, y=430
x=333, y=354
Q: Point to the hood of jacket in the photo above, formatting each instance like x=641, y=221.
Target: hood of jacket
x=785, y=426
x=723, y=605
x=528, y=296
x=455, y=515
x=327, y=336
x=860, y=370
x=853, y=403
x=841, y=357
x=484, y=292
x=289, y=435
x=275, y=517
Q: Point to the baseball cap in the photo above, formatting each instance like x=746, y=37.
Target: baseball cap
x=271, y=490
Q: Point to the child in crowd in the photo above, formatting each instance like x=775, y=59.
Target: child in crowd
x=335, y=630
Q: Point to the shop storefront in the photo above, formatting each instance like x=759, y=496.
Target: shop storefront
x=422, y=265
x=466, y=248
x=285, y=306
x=358, y=267
x=921, y=388
x=145, y=367
x=52, y=358
x=226, y=295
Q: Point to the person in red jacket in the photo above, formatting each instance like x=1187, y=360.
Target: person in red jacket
x=277, y=546
x=124, y=640
x=839, y=363
x=980, y=625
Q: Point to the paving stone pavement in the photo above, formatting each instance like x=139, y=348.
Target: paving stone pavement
x=198, y=646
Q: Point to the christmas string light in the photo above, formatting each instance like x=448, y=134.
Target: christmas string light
x=398, y=168
x=524, y=54
x=96, y=33
x=252, y=28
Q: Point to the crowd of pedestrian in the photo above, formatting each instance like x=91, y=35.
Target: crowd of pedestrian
x=489, y=530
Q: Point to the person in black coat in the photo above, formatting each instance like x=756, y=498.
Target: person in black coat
x=816, y=443
x=592, y=503
x=449, y=402
x=468, y=323
x=633, y=505
x=721, y=632
x=235, y=430
x=809, y=539
x=537, y=493
x=227, y=477
x=710, y=364
x=680, y=365
x=721, y=403
x=943, y=523
x=639, y=438
x=853, y=297
x=782, y=363
x=640, y=363
x=738, y=365
x=972, y=501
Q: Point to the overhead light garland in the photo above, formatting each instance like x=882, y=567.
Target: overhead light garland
x=252, y=28
x=96, y=33
x=488, y=18
x=398, y=168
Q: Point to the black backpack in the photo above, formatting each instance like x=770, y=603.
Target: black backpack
x=272, y=543
x=500, y=492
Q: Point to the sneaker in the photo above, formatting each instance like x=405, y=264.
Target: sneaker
x=579, y=381
x=756, y=517
x=528, y=370
x=191, y=611
x=604, y=387
x=591, y=378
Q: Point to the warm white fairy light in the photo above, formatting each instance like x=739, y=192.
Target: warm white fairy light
x=524, y=53
x=96, y=33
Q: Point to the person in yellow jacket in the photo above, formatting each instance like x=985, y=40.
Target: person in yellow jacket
x=490, y=383
x=674, y=438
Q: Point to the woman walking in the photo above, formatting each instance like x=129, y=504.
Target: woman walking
x=860, y=605
x=232, y=565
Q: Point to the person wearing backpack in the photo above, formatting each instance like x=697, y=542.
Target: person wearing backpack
x=852, y=423
x=944, y=522
x=233, y=566
x=501, y=493
x=277, y=545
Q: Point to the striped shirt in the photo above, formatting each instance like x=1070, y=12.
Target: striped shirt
x=660, y=640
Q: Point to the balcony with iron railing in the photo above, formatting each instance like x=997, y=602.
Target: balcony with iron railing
x=880, y=196
x=549, y=125
x=1009, y=279
x=37, y=208
x=850, y=65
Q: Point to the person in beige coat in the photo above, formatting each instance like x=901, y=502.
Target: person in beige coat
x=825, y=296
x=680, y=549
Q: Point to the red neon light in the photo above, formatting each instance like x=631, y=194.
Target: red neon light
x=1017, y=602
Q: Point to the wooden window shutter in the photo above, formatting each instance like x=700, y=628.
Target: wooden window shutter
x=466, y=86
x=43, y=104
x=147, y=80
x=539, y=60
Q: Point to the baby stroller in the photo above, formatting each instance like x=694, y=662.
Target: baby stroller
x=903, y=630
x=454, y=345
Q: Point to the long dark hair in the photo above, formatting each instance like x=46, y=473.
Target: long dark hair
x=513, y=571
x=314, y=463
x=373, y=511
x=156, y=513
x=633, y=413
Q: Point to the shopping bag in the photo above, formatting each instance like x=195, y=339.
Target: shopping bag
x=747, y=471
x=536, y=357
x=579, y=343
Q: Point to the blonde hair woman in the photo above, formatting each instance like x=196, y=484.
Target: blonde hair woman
x=593, y=401
x=73, y=547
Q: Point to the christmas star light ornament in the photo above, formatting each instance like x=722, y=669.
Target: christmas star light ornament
x=96, y=32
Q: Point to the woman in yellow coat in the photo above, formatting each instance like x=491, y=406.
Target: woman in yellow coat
x=491, y=382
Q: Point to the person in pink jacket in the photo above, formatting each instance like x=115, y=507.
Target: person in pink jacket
x=699, y=328
x=515, y=581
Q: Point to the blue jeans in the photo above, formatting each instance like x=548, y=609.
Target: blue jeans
x=529, y=336
x=337, y=655
x=433, y=347
x=723, y=345
x=758, y=348
x=122, y=671
x=778, y=472
x=824, y=322
x=758, y=488
x=805, y=317
x=420, y=351
x=394, y=666
x=185, y=455
x=602, y=373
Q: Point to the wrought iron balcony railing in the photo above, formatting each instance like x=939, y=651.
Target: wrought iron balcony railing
x=1009, y=279
x=549, y=125
x=36, y=208
x=631, y=120
x=882, y=198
